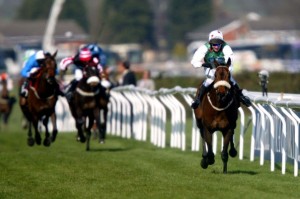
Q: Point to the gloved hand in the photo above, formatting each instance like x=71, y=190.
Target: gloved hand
x=207, y=65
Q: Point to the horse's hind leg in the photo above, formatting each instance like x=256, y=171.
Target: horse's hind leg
x=232, y=150
x=47, y=140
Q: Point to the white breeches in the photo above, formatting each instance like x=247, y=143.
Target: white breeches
x=78, y=74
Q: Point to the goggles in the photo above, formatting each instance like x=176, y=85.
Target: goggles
x=216, y=45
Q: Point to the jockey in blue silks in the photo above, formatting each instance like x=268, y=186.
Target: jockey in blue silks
x=33, y=63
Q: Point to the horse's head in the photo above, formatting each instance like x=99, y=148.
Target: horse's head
x=91, y=74
x=222, y=80
x=48, y=67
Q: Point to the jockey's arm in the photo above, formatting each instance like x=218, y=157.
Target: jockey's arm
x=63, y=66
x=198, y=57
x=228, y=53
x=29, y=65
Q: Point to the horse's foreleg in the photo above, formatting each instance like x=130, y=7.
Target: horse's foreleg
x=30, y=140
x=228, y=137
x=102, y=129
x=208, y=157
x=79, y=125
x=47, y=140
x=88, y=132
x=54, y=125
x=37, y=135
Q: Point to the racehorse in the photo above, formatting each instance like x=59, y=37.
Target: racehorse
x=218, y=112
x=87, y=101
x=41, y=101
x=6, y=102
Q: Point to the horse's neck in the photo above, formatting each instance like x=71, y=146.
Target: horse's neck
x=43, y=88
x=83, y=85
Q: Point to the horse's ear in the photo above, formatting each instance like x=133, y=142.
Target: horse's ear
x=54, y=54
x=228, y=62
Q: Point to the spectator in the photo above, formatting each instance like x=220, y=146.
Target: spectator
x=127, y=77
x=146, y=82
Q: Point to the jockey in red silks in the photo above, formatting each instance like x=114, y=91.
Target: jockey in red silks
x=82, y=59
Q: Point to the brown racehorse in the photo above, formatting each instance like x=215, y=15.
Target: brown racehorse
x=6, y=102
x=41, y=101
x=218, y=112
x=87, y=101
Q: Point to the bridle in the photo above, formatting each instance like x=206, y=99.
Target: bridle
x=221, y=87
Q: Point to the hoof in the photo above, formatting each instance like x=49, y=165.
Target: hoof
x=54, y=134
x=38, y=141
x=211, y=159
x=81, y=139
x=233, y=152
x=30, y=141
x=204, y=163
x=47, y=142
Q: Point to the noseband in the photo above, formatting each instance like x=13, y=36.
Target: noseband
x=222, y=82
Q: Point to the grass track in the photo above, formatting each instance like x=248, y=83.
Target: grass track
x=129, y=169
x=124, y=168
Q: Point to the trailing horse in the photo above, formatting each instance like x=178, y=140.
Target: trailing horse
x=41, y=101
x=218, y=112
x=87, y=101
x=6, y=102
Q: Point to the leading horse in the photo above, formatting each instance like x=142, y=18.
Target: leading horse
x=218, y=112
x=41, y=101
x=87, y=101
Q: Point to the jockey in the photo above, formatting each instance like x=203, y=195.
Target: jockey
x=80, y=60
x=215, y=49
x=97, y=52
x=31, y=65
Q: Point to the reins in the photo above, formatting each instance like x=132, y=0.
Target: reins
x=217, y=108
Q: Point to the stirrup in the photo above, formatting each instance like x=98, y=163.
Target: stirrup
x=195, y=104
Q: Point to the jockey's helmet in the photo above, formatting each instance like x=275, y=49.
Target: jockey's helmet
x=85, y=55
x=96, y=50
x=216, y=37
x=40, y=55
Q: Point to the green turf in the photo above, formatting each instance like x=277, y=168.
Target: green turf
x=125, y=168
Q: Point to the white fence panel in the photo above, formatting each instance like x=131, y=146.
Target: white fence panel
x=133, y=111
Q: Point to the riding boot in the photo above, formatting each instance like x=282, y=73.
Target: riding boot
x=24, y=88
x=71, y=89
x=199, y=97
x=244, y=99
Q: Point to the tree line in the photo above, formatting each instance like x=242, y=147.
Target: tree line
x=129, y=21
